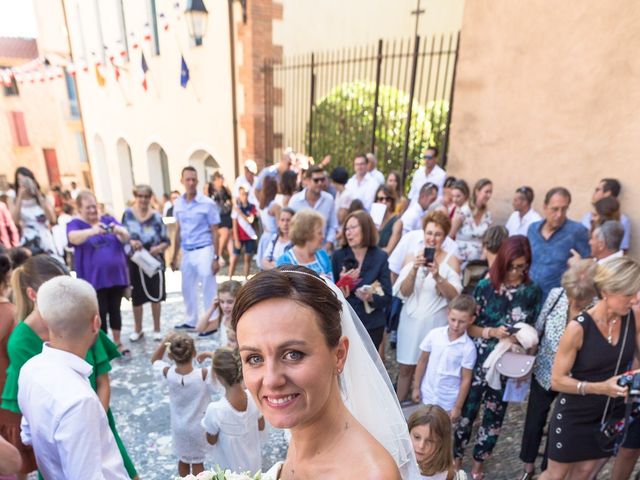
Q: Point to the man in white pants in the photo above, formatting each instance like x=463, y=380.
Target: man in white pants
x=197, y=220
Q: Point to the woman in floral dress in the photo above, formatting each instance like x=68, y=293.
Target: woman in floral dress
x=507, y=297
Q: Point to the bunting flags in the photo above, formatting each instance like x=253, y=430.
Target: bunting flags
x=184, y=73
x=145, y=69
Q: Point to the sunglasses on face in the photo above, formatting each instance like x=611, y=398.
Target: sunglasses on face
x=383, y=199
x=143, y=196
x=518, y=268
x=319, y=179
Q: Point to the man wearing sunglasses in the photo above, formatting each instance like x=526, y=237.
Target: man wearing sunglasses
x=431, y=172
x=314, y=197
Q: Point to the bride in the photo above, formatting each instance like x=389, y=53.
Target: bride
x=311, y=368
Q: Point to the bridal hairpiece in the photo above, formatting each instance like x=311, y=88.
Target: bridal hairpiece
x=303, y=273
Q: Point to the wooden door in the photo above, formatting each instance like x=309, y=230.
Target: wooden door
x=51, y=160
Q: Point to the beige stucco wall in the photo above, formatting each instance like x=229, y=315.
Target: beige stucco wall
x=311, y=25
x=188, y=124
x=49, y=124
x=547, y=94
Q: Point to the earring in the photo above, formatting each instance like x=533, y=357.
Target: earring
x=339, y=371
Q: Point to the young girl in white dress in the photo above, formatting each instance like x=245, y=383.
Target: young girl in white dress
x=189, y=397
x=218, y=316
x=431, y=436
x=233, y=423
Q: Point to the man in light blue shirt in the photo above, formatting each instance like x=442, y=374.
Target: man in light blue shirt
x=313, y=197
x=553, y=239
x=197, y=219
x=275, y=171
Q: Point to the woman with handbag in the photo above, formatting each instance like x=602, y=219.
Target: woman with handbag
x=99, y=258
x=563, y=304
x=504, y=299
x=595, y=349
x=148, y=237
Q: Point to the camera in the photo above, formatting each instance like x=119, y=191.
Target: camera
x=631, y=380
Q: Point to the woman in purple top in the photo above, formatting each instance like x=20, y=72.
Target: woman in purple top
x=100, y=259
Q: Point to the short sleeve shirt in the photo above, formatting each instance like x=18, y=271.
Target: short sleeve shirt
x=196, y=219
x=441, y=382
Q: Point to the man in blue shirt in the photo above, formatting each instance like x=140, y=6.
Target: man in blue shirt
x=197, y=220
x=315, y=198
x=552, y=240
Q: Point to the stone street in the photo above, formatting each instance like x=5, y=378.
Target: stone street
x=140, y=403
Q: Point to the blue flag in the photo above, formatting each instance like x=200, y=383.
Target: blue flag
x=184, y=73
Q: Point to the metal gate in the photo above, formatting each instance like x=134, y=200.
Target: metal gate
x=393, y=98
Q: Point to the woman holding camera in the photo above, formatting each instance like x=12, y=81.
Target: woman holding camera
x=429, y=279
x=562, y=304
x=100, y=260
x=505, y=298
x=147, y=232
x=367, y=266
x=595, y=349
x=33, y=213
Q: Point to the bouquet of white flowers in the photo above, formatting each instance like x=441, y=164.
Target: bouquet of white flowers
x=221, y=475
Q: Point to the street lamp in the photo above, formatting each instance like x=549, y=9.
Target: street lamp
x=196, y=14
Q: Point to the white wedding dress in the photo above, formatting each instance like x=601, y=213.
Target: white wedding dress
x=368, y=394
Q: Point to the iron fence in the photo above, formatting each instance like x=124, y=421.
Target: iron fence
x=393, y=98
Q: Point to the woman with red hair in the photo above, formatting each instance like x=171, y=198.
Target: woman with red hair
x=506, y=297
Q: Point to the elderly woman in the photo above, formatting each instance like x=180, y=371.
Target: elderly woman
x=99, y=259
x=596, y=347
x=426, y=286
x=367, y=264
x=472, y=220
x=505, y=298
x=147, y=232
x=306, y=233
x=562, y=305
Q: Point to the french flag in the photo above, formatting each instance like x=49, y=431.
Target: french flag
x=145, y=69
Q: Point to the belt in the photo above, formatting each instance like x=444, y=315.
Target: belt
x=191, y=249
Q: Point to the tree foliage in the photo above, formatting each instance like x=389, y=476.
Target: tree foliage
x=343, y=125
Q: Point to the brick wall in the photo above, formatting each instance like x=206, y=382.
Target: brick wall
x=256, y=38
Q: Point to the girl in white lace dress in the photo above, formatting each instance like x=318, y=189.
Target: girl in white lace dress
x=233, y=423
x=189, y=397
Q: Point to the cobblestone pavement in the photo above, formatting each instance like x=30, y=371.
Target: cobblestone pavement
x=140, y=403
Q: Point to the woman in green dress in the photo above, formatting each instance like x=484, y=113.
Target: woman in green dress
x=29, y=335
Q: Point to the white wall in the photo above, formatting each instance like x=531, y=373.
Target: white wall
x=181, y=121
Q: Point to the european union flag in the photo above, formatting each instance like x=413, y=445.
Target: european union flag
x=184, y=73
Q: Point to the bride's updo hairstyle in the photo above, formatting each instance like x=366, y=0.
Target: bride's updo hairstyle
x=296, y=283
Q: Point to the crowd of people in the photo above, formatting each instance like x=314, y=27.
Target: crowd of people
x=480, y=314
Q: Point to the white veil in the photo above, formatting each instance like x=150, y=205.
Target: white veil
x=369, y=395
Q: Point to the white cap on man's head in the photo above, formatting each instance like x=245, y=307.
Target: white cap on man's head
x=251, y=165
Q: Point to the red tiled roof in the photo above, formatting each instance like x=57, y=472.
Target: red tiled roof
x=18, y=48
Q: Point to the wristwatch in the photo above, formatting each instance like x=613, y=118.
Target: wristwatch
x=215, y=257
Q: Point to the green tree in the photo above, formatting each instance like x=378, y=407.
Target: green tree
x=343, y=123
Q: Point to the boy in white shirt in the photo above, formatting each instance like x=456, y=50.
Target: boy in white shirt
x=448, y=355
x=62, y=416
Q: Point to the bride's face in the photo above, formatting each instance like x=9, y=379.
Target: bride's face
x=287, y=365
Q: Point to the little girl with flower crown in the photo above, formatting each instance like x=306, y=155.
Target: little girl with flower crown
x=233, y=423
x=189, y=397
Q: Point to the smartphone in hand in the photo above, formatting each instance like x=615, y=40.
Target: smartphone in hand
x=429, y=255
